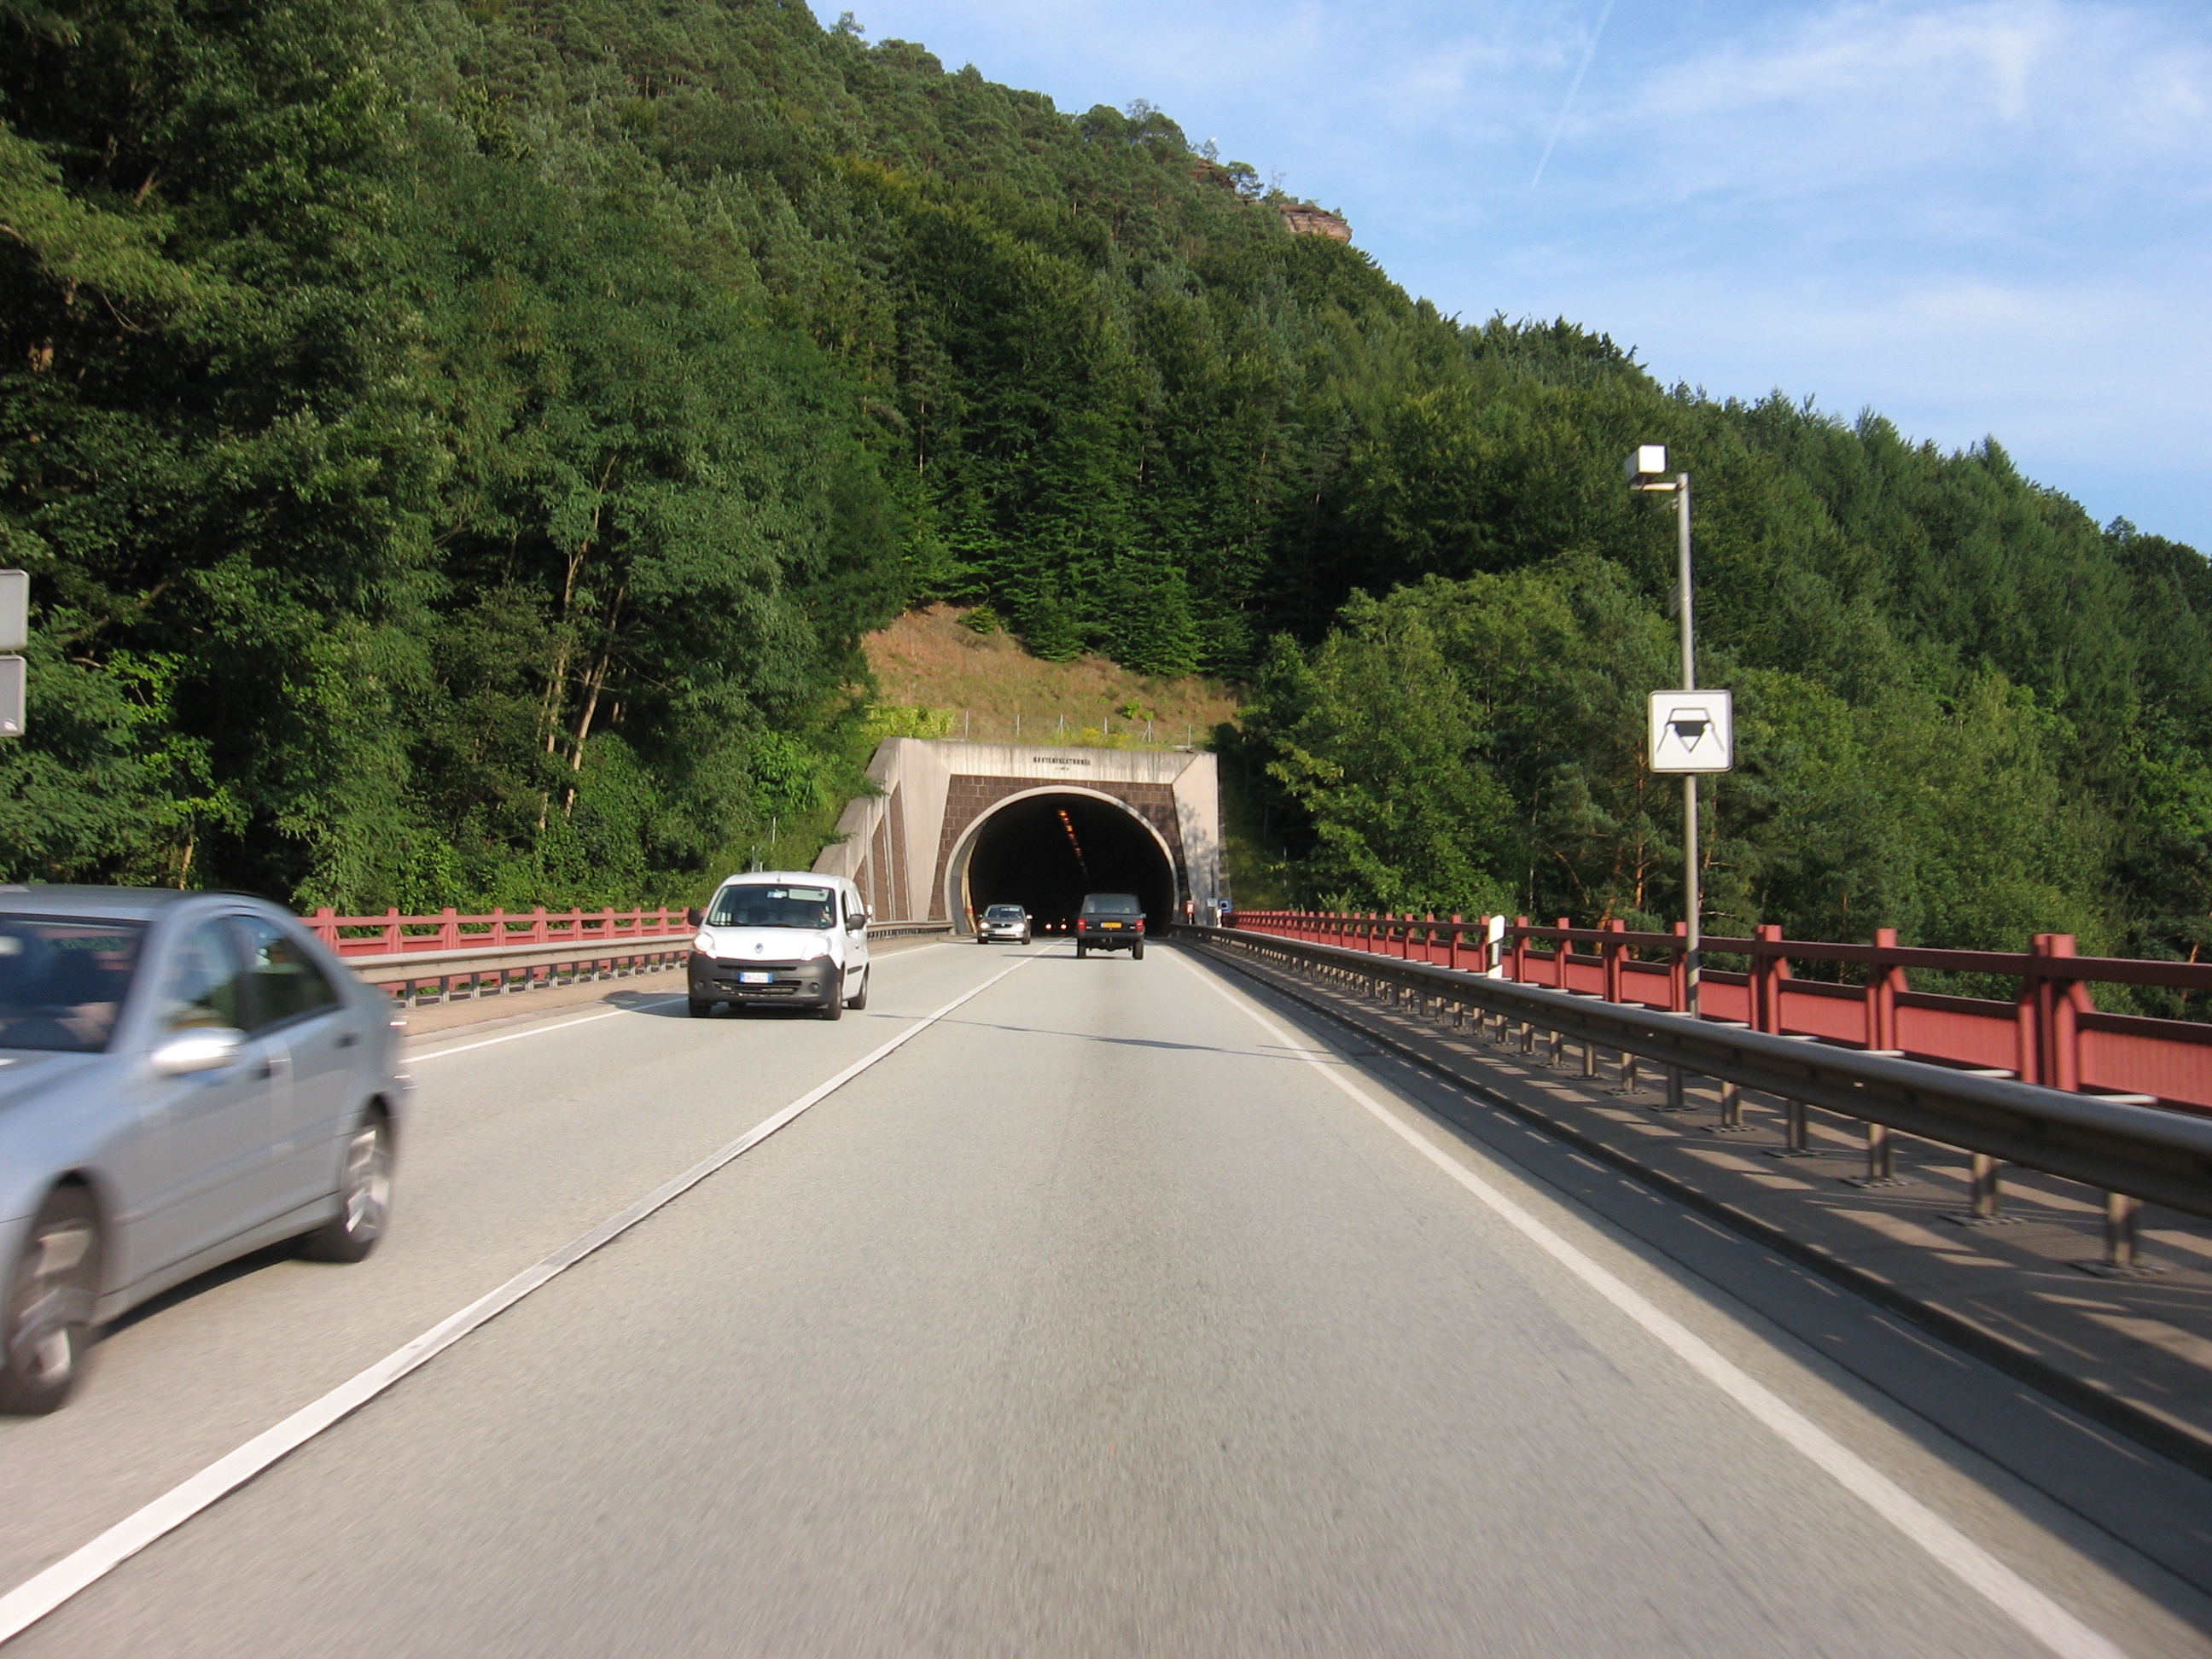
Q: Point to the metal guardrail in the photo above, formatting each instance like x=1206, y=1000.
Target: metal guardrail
x=2050, y=1032
x=405, y=972
x=2137, y=1152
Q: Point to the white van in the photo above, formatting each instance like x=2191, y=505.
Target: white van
x=781, y=936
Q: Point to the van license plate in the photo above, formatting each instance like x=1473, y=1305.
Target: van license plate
x=756, y=979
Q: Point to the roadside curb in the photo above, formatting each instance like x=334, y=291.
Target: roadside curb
x=2145, y=1428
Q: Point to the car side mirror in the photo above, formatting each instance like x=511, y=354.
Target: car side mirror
x=856, y=921
x=202, y=1049
x=695, y=915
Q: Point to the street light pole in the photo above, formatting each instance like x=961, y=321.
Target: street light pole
x=1647, y=473
x=1694, y=904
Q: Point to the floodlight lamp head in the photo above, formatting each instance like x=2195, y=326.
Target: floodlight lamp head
x=1647, y=468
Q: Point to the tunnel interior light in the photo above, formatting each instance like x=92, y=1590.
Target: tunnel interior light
x=1068, y=825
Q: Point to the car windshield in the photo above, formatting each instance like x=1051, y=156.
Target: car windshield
x=1003, y=913
x=762, y=905
x=1110, y=904
x=62, y=982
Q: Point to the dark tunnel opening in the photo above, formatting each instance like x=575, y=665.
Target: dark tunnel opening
x=1044, y=853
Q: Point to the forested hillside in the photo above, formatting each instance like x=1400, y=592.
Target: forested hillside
x=459, y=447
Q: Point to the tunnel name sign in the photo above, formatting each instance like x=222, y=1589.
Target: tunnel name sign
x=1692, y=732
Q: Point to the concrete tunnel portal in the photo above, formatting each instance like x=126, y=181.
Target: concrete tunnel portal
x=1045, y=851
x=948, y=827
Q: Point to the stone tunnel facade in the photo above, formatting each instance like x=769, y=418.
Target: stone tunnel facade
x=906, y=848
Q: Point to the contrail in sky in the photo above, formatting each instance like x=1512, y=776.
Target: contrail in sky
x=1575, y=86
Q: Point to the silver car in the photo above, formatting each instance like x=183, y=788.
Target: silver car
x=1003, y=921
x=183, y=1078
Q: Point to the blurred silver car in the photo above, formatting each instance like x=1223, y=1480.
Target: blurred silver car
x=183, y=1078
x=1003, y=921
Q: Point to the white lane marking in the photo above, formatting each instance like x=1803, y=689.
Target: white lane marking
x=2011, y=1594
x=540, y=1030
x=39, y=1596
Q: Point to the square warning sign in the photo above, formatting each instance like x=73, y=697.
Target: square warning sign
x=1692, y=732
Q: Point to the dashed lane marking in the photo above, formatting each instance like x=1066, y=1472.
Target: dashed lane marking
x=39, y=1596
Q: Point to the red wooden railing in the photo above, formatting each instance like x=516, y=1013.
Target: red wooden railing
x=393, y=934
x=2051, y=1033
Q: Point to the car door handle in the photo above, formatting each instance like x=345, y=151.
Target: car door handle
x=266, y=1070
x=347, y=1039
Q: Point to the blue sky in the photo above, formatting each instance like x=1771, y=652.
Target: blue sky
x=1975, y=218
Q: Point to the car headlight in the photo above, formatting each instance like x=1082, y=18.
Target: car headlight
x=704, y=943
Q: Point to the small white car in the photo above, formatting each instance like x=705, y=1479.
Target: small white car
x=1003, y=921
x=781, y=937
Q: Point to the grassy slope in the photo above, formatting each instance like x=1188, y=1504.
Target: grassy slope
x=978, y=685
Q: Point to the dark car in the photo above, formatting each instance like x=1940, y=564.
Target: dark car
x=183, y=1078
x=1110, y=921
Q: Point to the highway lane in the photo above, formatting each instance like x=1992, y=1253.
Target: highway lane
x=521, y=1135
x=1094, y=1320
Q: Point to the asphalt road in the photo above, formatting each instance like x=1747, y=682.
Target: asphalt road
x=1100, y=1317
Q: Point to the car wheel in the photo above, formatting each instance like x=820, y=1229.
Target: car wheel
x=835, y=1008
x=701, y=1007
x=1081, y=950
x=49, y=1310
x=1136, y=951
x=858, y=1001
x=364, y=1197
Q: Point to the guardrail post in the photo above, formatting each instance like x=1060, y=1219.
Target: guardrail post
x=1881, y=1158
x=1678, y=1001
x=449, y=929
x=1451, y=944
x=2124, y=1256
x=1520, y=948
x=1562, y=948
x=1797, y=1116
x=1731, y=1108
x=1986, y=1190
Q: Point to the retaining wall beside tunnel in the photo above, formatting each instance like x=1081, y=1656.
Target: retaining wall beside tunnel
x=960, y=825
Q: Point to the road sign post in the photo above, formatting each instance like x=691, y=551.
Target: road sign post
x=15, y=635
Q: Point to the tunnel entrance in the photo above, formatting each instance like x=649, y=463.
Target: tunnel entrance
x=1044, y=852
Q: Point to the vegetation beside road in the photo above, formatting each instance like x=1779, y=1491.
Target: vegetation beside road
x=460, y=447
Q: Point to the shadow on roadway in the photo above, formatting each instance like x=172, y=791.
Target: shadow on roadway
x=2144, y=1518
x=269, y=1256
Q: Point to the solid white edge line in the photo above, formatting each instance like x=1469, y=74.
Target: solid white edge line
x=2036, y=1614
x=39, y=1594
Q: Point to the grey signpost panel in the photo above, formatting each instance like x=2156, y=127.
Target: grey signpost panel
x=15, y=635
x=15, y=609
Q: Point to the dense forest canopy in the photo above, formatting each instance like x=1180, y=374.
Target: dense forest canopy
x=458, y=448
